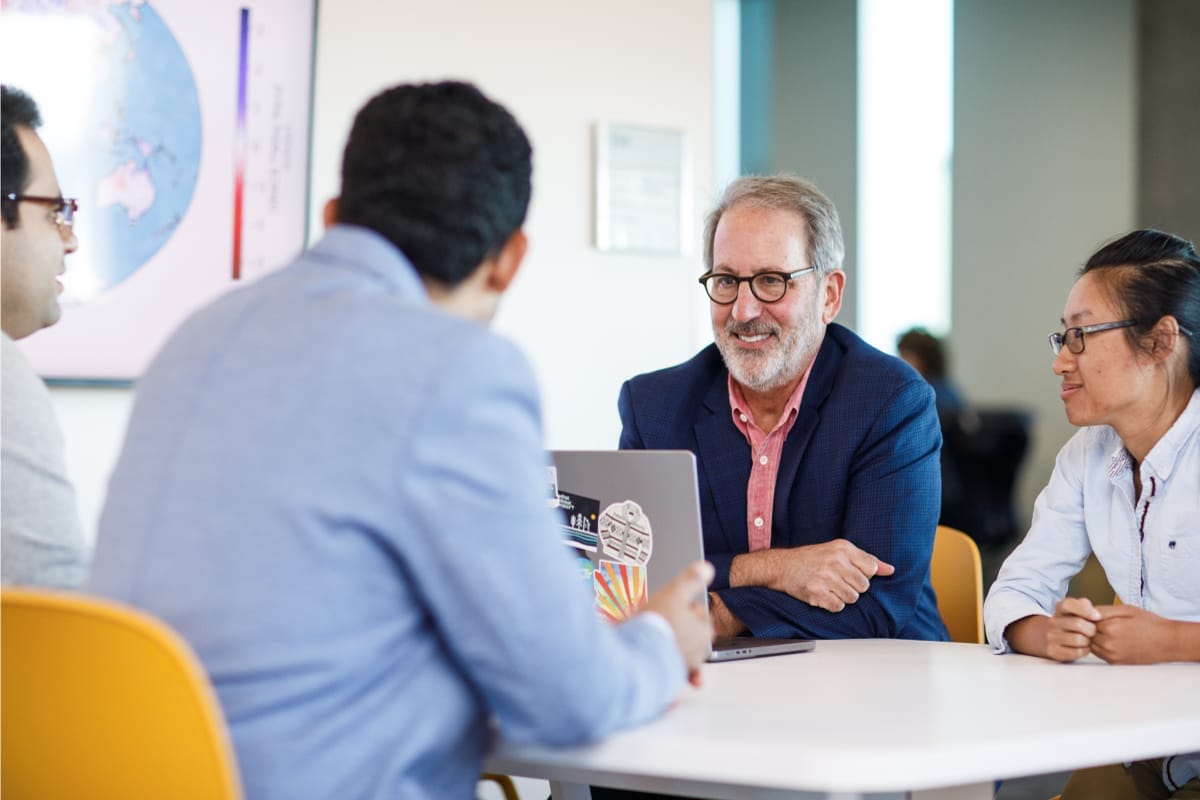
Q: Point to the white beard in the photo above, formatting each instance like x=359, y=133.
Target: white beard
x=766, y=369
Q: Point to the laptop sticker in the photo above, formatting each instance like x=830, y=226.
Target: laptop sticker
x=625, y=533
x=620, y=590
x=580, y=517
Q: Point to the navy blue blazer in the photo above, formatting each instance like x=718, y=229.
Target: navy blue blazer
x=860, y=463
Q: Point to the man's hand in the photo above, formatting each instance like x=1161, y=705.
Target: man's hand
x=680, y=603
x=1131, y=635
x=723, y=620
x=830, y=575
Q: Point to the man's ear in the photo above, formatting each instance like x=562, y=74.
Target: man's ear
x=329, y=215
x=833, y=284
x=507, y=262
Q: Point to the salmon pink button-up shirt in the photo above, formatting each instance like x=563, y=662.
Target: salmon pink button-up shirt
x=765, y=449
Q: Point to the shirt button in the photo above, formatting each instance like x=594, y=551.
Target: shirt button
x=762, y=460
x=743, y=418
x=758, y=522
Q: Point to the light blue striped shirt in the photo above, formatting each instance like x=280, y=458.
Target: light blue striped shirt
x=335, y=492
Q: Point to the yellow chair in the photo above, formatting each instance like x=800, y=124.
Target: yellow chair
x=102, y=701
x=507, y=787
x=957, y=576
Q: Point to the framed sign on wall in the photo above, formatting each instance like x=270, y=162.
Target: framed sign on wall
x=643, y=182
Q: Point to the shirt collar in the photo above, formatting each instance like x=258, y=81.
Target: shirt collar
x=738, y=404
x=1162, y=457
x=1165, y=453
x=362, y=249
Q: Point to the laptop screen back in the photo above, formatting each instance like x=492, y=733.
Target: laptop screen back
x=631, y=519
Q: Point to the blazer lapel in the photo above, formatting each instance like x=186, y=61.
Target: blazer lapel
x=726, y=458
x=820, y=384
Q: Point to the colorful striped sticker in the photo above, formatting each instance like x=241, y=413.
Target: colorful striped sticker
x=620, y=590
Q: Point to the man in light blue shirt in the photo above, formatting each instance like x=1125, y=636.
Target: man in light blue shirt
x=333, y=487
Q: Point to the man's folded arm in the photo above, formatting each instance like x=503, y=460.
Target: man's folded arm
x=892, y=504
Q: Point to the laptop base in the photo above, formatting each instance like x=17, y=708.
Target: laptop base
x=735, y=648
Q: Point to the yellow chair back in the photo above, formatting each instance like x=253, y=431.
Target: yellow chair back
x=957, y=576
x=504, y=783
x=102, y=701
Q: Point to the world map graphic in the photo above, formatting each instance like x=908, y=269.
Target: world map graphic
x=135, y=157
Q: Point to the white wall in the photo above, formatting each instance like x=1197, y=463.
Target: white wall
x=587, y=320
x=1044, y=172
x=93, y=422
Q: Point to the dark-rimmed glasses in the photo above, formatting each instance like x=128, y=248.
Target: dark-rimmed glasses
x=64, y=207
x=767, y=287
x=1073, y=337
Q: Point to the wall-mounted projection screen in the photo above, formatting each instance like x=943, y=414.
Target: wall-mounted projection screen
x=182, y=128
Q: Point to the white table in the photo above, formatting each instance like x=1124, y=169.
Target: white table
x=879, y=718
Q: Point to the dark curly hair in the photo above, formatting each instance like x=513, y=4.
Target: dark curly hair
x=1151, y=274
x=439, y=170
x=16, y=108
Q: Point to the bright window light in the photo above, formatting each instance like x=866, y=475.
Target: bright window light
x=727, y=55
x=62, y=93
x=905, y=146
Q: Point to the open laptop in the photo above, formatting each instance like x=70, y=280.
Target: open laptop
x=631, y=518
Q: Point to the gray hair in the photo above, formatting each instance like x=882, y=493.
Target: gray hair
x=826, y=248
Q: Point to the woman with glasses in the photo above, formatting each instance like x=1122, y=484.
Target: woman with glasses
x=1126, y=487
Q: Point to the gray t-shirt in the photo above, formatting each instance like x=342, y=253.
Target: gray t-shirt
x=42, y=542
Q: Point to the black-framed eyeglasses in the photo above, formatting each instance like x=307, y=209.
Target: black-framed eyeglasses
x=1073, y=337
x=767, y=287
x=64, y=207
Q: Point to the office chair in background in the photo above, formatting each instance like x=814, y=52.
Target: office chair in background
x=982, y=453
x=103, y=701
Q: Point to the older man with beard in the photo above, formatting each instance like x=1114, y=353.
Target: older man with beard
x=818, y=454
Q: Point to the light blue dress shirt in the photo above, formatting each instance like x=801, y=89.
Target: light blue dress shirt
x=336, y=493
x=1149, y=548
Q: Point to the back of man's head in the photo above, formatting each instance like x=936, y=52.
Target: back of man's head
x=440, y=171
x=16, y=108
